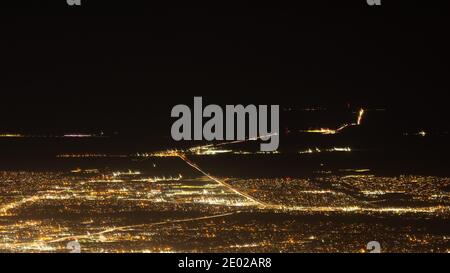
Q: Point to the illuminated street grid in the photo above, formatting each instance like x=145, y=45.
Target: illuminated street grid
x=130, y=211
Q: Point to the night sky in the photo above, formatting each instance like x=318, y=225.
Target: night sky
x=124, y=67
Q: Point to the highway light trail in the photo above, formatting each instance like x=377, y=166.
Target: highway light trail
x=360, y=116
x=232, y=142
x=195, y=166
x=182, y=155
x=328, y=131
x=240, y=193
x=131, y=227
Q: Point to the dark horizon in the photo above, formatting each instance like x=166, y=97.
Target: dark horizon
x=97, y=67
